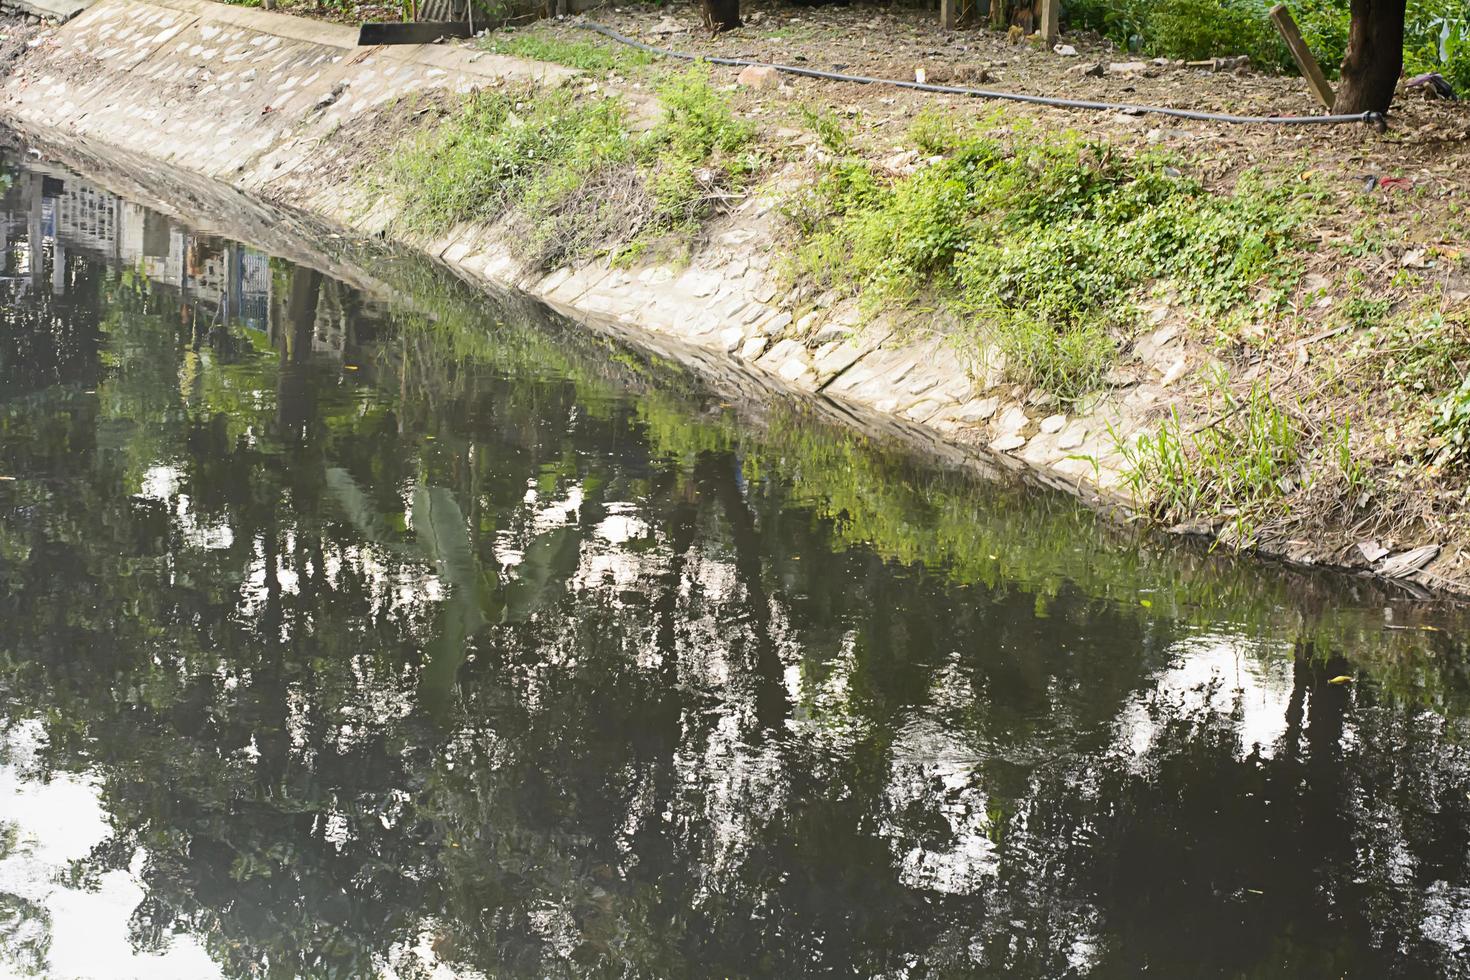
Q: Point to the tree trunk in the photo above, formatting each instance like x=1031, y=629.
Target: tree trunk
x=1375, y=56
x=724, y=15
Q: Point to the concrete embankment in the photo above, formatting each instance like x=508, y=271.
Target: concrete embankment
x=288, y=111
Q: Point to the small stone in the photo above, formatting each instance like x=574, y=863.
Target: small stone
x=1007, y=444
x=1175, y=372
x=759, y=77
x=793, y=369
x=753, y=348
x=1065, y=50
x=698, y=284
x=1012, y=420
x=1128, y=67
x=1053, y=423
x=778, y=322
x=978, y=410
x=731, y=337
x=1072, y=437
x=1097, y=70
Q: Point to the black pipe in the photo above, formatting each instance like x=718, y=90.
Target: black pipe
x=1375, y=119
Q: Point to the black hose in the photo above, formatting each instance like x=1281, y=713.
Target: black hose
x=1375, y=119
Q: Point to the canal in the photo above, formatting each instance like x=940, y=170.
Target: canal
x=354, y=623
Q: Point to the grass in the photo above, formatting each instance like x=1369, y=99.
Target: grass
x=1241, y=465
x=589, y=56
x=572, y=173
x=1042, y=243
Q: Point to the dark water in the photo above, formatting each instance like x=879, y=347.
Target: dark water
x=384, y=630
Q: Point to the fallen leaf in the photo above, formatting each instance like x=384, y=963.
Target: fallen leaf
x=1341, y=679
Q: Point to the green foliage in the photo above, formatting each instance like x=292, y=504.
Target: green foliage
x=1452, y=422
x=935, y=131
x=1422, y=353
x=1436, y=34
x=572, y=170
x=504, y=147
x=1239, y=465
x=698, y=151
x=1042, y=244
x=590, y=56
x=828, y=128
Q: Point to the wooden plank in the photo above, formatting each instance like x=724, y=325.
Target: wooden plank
x=1050, y=21
x=1302, y=54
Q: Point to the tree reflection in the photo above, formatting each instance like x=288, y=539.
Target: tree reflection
x=539, y=672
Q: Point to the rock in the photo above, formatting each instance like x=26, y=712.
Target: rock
x=793, y=369
x=831, y=332
x=1175, y=372
x=776, y=323
x=1095, y=70
x=978, y=410
x=1053, y=423
x=1072, y=437
x=1012, y=420
x=699, y=284
x=900, y=162
x=731, y=337
x=666, y=25
x=1128, y=67
x=1415, y=258
x=753, y=348
x=1065, y=50
x=759, y=77
x=1006, y=444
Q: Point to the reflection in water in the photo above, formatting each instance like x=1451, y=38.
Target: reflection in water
x=358, y=631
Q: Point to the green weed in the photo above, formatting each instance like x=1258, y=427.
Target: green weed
x=1043, y=244
x=1239, y=465
x=571, y=171
x=590, y=56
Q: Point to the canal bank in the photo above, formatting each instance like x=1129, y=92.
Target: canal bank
x=289, y=111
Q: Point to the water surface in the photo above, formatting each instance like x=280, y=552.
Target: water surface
x=383, y=629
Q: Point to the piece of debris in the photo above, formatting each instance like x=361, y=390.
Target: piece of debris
x=1433, y=85
x=1371, y=550
x=1232, y=63
x=920, y=76
x=1407, y=563
x=1065, y=50
x=759, y=77
x=1416, y=258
